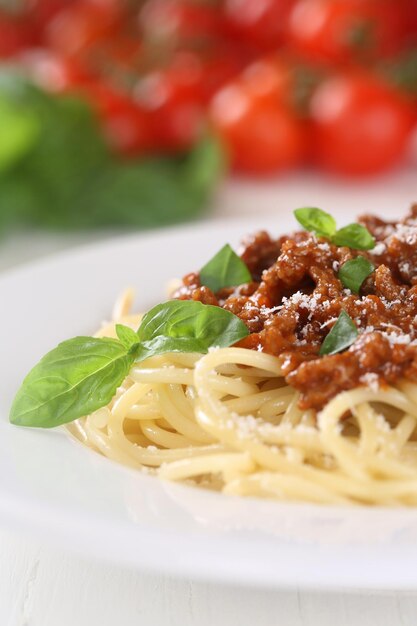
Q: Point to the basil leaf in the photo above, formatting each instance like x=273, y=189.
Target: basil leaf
x=77, y=377
x=319, y=222
x=354, y=236
x=225, y=269
x=341, y=336
x=187, y=326
x=127, y=336
x=353, y=273
x=316, y=221
x=82, y=374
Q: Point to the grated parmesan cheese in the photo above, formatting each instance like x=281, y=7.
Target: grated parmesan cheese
x=380, y=248
x=370, y=379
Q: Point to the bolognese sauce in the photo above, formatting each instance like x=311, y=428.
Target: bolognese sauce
x=296, y=296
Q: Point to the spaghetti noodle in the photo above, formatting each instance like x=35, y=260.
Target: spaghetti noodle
x=228, y=421
x=289, y=372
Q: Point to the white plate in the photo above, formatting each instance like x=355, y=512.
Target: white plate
x=53, y=487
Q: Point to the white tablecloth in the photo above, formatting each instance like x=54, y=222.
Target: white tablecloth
x=41, y=585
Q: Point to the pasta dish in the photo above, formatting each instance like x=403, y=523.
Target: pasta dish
x=286, y=371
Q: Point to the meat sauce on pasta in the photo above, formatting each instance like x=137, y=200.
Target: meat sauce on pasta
x=296, y=297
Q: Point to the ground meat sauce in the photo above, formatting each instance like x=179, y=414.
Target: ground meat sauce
x=296, y=297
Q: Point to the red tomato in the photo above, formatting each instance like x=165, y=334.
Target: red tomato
x=360, y=125
x=178, y=127
x=261, y=136
x=221, y=63
x=41, y=12
x=411, y=13
x=173, y=98
x=179, y=20
x=262, y=22
x=52, y=72
x=196, y=76
x=269, y=79
x=80, y=25
x=120, y=53
x=279, y=79
x=340, y=31
x=15, y=35
x=125, y=124
x=181, y=78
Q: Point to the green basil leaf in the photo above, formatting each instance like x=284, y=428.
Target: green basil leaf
x=354, y=236
x=187, y=326
x=353, y=273
x=225, y=269
x=316, y=221
x=77, y=377
x=127, y=336
x=341, y=336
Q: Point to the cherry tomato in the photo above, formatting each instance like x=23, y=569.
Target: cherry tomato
x=178, y=127
x=269, y=78
x=262, y=22
x=181, y=78
x=80, y=25
x=278, y=78
x=41, y=12
x=125, y=124
x=122, y=53
x=196, y=76
x=340, y=31
x=222, y=63
x=411, y=13
x=173, y=98
x=15, y=35
x=360, y=125
x=52, y=72
x=261, y=136
x=179, y=21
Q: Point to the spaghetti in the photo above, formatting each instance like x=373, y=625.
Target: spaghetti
x=289, y=372
x=228, y=421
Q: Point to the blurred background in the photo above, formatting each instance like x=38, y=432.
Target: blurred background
x=134, y=113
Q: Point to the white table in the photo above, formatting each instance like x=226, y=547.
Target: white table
x=42, y=585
